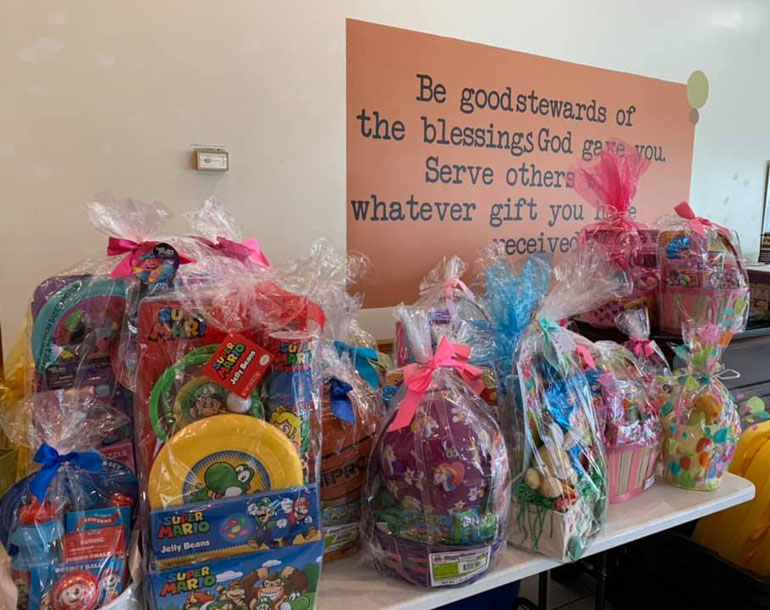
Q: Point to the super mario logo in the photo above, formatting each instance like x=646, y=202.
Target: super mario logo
x=294, y=354
x=188, y=580
x=229, y=358
x=173, y=323
x=178, y=526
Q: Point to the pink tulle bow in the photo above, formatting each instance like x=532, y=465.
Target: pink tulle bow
x=119, y=245
x=642, y=347
x=417, y=378
x=697, y=223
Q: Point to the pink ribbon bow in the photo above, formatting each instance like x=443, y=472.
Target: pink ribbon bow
x=643, y=346
x=417, y=378
x=118, y=245
x=697, y=223
x=245, y=251
x=456, y=282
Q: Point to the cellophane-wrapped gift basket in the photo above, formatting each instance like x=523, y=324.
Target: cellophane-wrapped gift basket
x=438, y=487
x=68, y=526
x=701, y=425
x=701, y=270
x=609, y=184
x=560, y=503
x=629, y=419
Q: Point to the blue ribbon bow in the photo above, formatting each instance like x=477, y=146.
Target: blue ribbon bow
x=363, y=359
x=52, y=461
x=342, y=407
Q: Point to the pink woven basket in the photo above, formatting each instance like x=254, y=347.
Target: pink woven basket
x=676, y=305
x=631, y=470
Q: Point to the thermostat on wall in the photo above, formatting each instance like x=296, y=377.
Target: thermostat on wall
x=212, y=159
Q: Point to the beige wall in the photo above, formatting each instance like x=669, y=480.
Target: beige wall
x=109, y=95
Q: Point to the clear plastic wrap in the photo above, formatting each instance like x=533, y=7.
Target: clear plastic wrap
x=73, y=339
x=629, y=420
x=635, y=324
x=352, y=408
x=229, y=429
x=451, y=306
x=216, y=228
x=609, y=184
x=700, y=419
x=350, y=373
x=68, y=525
x=561, y=502
x=701, y=269
x=511, y=296
x=438, y=481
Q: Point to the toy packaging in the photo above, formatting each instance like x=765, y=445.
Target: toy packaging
x=228, y=414
x=610, y=184
x=438, y=483
x=286, y=579
x=73, y=339
x=629, y=420
x=700, y=418
x=560, y=503
x=701, y=269
x=67, y=526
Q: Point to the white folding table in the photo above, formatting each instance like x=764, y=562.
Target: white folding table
x=352, y=583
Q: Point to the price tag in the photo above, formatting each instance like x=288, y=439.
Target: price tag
x=455, y=567
x=238, y=364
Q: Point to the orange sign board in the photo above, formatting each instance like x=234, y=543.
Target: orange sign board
x=452, y=144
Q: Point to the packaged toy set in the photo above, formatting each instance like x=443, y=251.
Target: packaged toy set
x=228, y=416
x=67, y=527
x=438, y=484
x=701, y=270
x=560, y=503
x=610, y=184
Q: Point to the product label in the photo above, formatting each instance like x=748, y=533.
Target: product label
x=235, y=525
x=238, y=364
x=339, y=536
x=275, y=579
x=455, y=567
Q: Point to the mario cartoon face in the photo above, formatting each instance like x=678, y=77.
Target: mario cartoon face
x=301, y=508
x=76, y=591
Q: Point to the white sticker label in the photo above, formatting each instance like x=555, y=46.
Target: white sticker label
x=454, y=567
x=339, y=536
